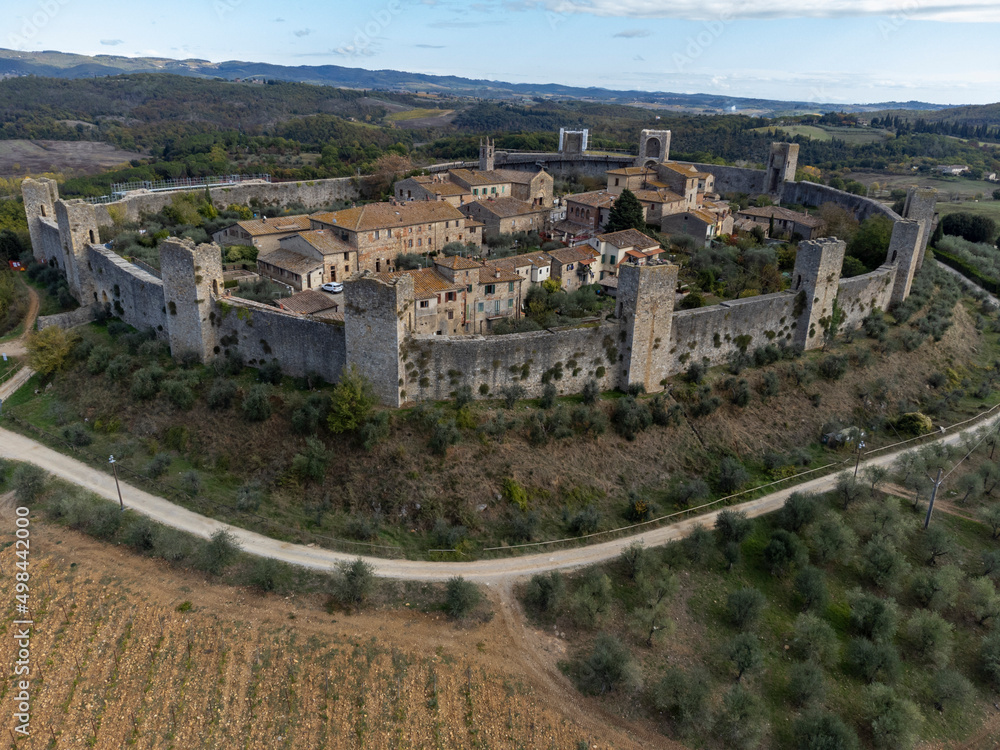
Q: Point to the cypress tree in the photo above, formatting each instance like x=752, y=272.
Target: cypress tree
x=626, y=213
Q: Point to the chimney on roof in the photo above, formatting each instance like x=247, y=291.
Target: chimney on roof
x=498, y=273
x=263, y=220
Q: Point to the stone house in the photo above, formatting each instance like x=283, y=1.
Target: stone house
x=440, y=303
x=459, y=186
x=340, y=260
x=628, y=245
x=575, y=266
x=379, y=232
x=698, y=223
x=497, y=295
x=459, y=295
x=778, y=221
x=589, y=210
x=292, y=269
x=506, y=215
x=675, y=174
x=533, y=267
x=263, y=233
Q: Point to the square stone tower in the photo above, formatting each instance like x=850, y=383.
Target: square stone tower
x=815, y=282
x=645, y=318
x=192, y=280
x=487, y=154
x=40, y=198
x=77, y=223
x=654, y=147
x=905, y=252
x=782, y=162
x=573, y=142
x=920, y=206
x=377, y=315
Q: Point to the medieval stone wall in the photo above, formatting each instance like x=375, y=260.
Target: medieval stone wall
x=132, y=294
x=858, y=296
x=434, y=366
x=715, y=333
x=311, y=194
x=263, y=334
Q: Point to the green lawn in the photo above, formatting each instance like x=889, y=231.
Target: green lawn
x=852, y=136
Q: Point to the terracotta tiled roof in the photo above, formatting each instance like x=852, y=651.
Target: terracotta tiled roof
x=629, y=238
x=427, y=282
x=325, y=242
x=517, y=176
x=457, y=263
x=473, y=224
x=629, y=171
x=389, y=215
x=519, y=261
x=308, y=302
x=785, y=214
x=658, y=196
x=573, y=254
x=291, y=261
x=686, y=169
x=440, y=187
x=570, y=227
x=506, y=207
x=335, y=315
x=492, y=177
x=599, y=198
x=705, y=216
x=262, y=227
x=494, y=275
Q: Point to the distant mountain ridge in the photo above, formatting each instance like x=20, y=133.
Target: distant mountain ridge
x=51, y=63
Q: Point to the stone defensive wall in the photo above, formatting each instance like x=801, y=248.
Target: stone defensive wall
x=434, y=366
x=859, y=296
x=715, y=333
x=267, y=194
x=302, y=345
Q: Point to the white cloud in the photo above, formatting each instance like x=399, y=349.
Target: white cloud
x=111, y=42
x=632, y=33
x=970, y=11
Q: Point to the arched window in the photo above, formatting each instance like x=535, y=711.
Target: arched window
x=43, y=210
x=93, y=238
x=653, y=148
x=798, y=282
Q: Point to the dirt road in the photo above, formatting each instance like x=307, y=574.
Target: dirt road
x=16, y=347
x=495, y=571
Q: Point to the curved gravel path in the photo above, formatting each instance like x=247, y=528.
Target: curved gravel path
x=20, y=448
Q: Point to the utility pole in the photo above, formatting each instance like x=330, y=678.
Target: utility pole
x=114, y=466
x=930, y=507
x=861, y=445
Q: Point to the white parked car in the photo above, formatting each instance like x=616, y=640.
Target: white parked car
x=334, y=287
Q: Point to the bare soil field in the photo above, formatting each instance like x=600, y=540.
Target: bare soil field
x=127, y=652
x=20, y=157
x=422, y=118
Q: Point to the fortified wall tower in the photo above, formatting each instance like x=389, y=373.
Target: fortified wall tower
x=78, y=230
x=919, y=206
x=782, y=161
x=815, y=282
x=377, y=314
x=40, y=198
x=645, y=312
x=192, y=278
x=654, y=147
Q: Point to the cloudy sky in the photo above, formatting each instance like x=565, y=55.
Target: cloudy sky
x=837, y=51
